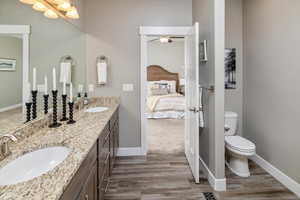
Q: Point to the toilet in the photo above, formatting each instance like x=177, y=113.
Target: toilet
x=238, y=149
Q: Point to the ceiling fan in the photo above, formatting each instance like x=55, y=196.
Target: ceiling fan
x=166, y=39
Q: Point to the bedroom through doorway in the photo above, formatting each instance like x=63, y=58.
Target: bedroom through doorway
x=165, y=95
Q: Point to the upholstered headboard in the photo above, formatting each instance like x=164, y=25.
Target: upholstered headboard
x=157, y=73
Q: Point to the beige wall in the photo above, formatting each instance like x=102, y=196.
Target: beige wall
x=113, y=30
x=170, y=56
x=212, y=73
x=234, y=39
x=11, y=81
x=271, y=81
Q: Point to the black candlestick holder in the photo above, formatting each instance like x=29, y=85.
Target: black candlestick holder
x=34, y=95
x=54, y=124
x=71, y=120
x=28, y=111
x=46, y=98
x=64, y=107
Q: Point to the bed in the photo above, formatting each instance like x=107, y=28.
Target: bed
x=163, y=97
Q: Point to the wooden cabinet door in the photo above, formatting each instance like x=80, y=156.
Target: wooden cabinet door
x=89, y=191
x=116, y=138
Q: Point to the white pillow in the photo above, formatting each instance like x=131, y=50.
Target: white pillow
x=150, y=85
x=172, y=85
x=159, y=91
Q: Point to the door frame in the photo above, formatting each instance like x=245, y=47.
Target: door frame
x=145, y=32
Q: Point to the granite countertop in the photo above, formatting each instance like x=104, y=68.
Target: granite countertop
x=79, y=137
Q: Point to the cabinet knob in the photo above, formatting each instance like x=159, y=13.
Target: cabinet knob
x=86, y=197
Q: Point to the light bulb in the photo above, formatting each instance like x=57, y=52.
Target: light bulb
x=39, y=7
x=50, y=14
x=60, y=1
x=73, y=13
x=28, y=1
x=65, y=6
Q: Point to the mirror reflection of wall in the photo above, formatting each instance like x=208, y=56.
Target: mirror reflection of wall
x=50, y=40
x=10, y=80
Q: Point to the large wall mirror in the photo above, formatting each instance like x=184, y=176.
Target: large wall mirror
x=29, y=40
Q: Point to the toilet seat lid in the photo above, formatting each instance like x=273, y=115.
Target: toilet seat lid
x=239, y=143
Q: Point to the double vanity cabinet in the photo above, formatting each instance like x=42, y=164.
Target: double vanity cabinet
x=92, y=178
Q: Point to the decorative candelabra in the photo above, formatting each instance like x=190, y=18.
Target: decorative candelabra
x=28, y=111
x=71, y=120
x=46, y=98
x=54, y=123
x=64, y=107
x=34, y=95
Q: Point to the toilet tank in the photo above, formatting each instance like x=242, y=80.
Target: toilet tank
x=231, y=122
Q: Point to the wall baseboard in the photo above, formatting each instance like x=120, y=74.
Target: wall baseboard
x=10, y=107
x=279, y=175
x=131, y=151
x=217, y=184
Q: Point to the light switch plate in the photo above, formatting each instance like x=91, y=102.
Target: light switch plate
x=128, y=87
x=91, y=88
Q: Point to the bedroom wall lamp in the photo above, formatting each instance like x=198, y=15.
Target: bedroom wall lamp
x=54, y=8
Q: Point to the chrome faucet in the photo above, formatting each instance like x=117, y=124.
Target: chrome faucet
x=4, y=148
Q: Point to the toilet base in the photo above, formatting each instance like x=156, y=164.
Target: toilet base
x=238, y=165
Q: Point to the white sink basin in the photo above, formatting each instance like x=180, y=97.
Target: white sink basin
x=32, y=165
x=96, y=109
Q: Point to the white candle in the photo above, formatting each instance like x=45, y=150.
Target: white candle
x=34, y=80
x=64, y=87
x=54, y=79
x=46, y=85
x=71, y=92
x=28, y=93
x=80, y=88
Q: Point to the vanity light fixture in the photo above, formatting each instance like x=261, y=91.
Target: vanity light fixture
x=50, y=14
x=54, y=8
x=39, y=7
x=73, y=13
x=65, y=6
x=28, y=1
x=57, y=1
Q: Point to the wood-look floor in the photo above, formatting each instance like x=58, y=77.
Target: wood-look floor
x=259, y=186
x=168, y=177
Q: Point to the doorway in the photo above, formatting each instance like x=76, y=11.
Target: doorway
x=161, y=78
x=165, y=101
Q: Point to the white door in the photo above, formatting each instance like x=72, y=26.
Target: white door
x=192, y=100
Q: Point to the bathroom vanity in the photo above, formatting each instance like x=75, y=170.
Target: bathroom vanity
x=93, y=142
x=92, y=178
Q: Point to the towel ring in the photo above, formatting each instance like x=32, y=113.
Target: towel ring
x=102, y=59
x=67, y=59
